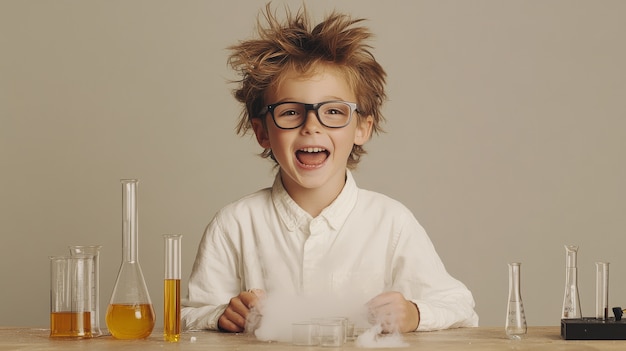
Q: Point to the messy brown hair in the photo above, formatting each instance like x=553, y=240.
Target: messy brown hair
x=338, y=41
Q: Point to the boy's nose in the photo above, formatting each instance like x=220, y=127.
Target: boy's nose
x=311, y=123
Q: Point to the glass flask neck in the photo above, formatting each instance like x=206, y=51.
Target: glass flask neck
x=571, y=276
x=571, y=265
x=571, y=253
x=514, y=282
x=130, y=248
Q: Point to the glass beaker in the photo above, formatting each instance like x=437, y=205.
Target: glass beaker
x=130, y=314
x=94, y=251
x=515, y=325
x=171, y=288
x=331, y=333
x=602, y=290
x=571, y=299
x=70, y=296
x=305, y=333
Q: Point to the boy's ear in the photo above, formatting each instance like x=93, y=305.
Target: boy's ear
x=364, y=130
x=261, y=133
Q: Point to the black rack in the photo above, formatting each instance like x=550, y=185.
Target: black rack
x=593, y=329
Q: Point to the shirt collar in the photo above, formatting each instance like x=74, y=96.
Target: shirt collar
x=293, y=216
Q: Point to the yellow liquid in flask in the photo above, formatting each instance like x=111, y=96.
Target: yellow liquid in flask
x=130, y=321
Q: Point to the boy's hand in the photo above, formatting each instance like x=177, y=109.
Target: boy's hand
x=393, y=312
x=236, y=314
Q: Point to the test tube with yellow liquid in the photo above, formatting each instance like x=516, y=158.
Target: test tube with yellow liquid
x=171, y=286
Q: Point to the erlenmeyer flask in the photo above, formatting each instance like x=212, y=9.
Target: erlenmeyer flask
x=130, y=314
x=571, y=299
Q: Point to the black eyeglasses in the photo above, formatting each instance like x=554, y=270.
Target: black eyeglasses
x=291, y=115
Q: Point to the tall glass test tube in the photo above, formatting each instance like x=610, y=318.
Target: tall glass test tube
x=171, y=285
x=602, y=290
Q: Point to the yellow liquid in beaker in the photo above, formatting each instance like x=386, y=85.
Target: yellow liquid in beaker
x=70, y=324
x=126, y=321
x=171, y=310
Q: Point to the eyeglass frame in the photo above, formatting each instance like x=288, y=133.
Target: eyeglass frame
x=309, y=107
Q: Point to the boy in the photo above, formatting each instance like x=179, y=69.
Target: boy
x=313, y=98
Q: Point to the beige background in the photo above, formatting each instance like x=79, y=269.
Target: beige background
x=505, y=136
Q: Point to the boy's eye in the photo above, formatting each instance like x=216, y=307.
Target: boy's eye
x=333, y=112
x=288, y=113
x=335, y=109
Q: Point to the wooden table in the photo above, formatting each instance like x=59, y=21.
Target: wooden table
x=482, y=338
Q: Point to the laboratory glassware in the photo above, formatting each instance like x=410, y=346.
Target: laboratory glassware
x=305, y=333
x=94, y=251
x=70, y=296
x=515, y=325
x=571, y=299
x=331, y=333
x=171, y=288
x=602, y=290
x=130, y=314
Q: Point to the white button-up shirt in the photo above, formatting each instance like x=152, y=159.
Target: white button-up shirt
x=363, y=241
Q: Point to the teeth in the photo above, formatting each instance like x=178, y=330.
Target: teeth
x=312, y=149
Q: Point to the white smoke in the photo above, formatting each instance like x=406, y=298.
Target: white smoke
x=272, y=320
x=373, y=338
x=278, y=312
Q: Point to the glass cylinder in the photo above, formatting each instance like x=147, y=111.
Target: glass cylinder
x=93, y=251
x=130, y=314
x=571, y=299
x=602, y=290
x=515, y=325
x=171, y=286
x=70, y=296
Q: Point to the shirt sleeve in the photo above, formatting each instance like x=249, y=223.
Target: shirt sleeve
x=213, y=281
x=420, y=275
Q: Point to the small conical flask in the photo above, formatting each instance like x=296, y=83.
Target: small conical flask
x=515, y=325
x=130, y=314
x=571, y=300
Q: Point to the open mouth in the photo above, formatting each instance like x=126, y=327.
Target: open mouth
x=312, y=156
